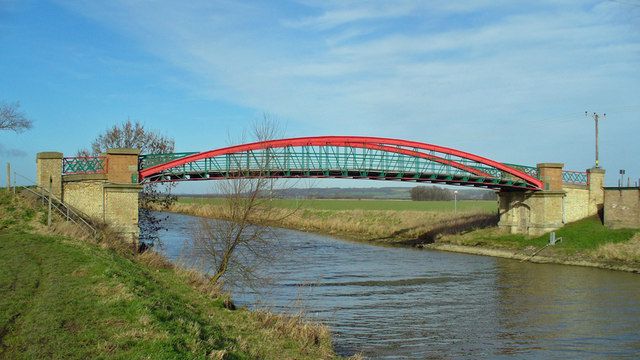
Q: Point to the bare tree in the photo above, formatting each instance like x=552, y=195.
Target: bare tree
x=237, y=243
x=136, y=136
x=11, y=118
x=130, y=135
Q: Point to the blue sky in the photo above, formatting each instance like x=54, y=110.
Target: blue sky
x=509, y=80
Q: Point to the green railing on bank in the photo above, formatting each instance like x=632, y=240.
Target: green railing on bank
x=84, y=165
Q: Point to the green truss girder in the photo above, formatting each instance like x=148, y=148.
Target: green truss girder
x=336, y=161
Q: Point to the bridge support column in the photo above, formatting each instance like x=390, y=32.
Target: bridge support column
x=49, y=166
x=534, y=212
x=121, y=209
x=595, y=184
x=110, y=197
x=122, y=166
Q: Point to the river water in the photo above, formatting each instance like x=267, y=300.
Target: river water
x=398, y=303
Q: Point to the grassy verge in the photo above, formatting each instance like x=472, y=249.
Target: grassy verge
x=586, y=240
x=61, y=297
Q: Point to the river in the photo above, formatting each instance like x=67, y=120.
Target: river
x=399, y=303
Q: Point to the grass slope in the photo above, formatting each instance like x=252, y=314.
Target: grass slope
x=583, y=239
x=64, y=298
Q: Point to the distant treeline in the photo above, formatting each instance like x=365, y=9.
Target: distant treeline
x=434, y=193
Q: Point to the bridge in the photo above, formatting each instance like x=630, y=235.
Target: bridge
x=354, y=157
x=532, y=200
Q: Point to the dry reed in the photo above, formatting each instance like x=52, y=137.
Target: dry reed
x=311, y=334
x=628, y=251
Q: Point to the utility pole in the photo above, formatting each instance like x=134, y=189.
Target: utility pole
x=8, y=177
x=596, y=117
x=50, y=189
x=455, y=202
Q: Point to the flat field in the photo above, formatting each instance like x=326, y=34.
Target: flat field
x=387, y=221
x=350, y=204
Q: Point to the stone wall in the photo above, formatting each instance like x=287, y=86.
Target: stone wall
x=538, y=212
x=622, y=207
x=121, y=208
x=111, y=197
x=85, y=193
x=49, y=166
x=596, y=190
x=122, y=166
x=576, y=203
x=531, y=213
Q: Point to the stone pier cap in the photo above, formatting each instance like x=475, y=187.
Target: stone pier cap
x=123, y=151
x=49, y=155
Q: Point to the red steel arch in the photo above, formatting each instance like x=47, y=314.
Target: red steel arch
x=365, y=142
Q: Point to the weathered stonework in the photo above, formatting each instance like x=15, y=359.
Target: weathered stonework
x=622, y=207
x=111, y=197
x=535, y=213
x=596, y=190
x=122, y=166
x=121, y=208
x=551, y=175
x=49, y=167
x=85, y=195
x=531, y=213
x=576, y=203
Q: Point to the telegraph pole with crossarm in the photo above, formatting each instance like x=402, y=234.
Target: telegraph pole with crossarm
x=596, y=117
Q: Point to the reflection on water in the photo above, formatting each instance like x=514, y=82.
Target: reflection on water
x=568, y=311
x=391, y=303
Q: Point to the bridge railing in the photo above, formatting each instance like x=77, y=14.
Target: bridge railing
x=149, y=160
x=385, y=163
x=529, y=170
x=575, y=177
x=568, y=176
x=84, y=165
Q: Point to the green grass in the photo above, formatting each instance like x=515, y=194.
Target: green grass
x=395, y=205
x=64, y=298
x=580, y=236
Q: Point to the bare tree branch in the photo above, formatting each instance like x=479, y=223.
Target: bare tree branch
x=237, y=244
x=136, y=136
x=11, y=118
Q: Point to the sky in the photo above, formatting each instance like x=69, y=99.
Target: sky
x=508, y=80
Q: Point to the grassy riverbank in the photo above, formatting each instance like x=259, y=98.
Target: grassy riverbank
x=382, y=221
x=584, y=242
x=435, y=225
x=68, y=297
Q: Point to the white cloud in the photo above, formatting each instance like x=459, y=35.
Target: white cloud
x=359, y=68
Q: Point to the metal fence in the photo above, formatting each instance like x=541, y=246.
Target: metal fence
x=84, y=165
x=575, y=177
x=63, y=209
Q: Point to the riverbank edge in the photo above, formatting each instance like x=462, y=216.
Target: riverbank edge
x=463, y=249
x=514, y=255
